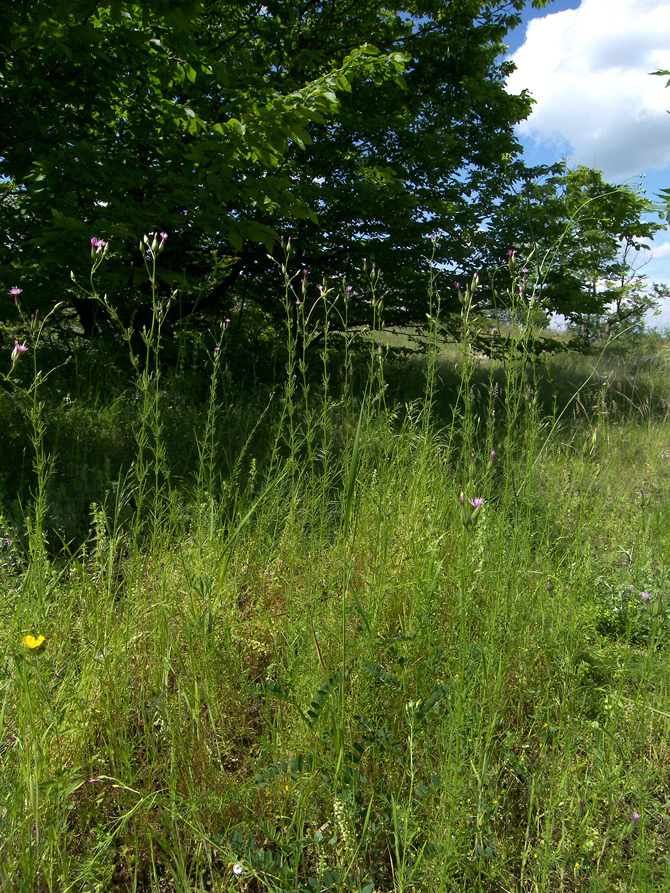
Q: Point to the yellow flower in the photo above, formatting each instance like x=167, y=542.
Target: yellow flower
x=32, y=642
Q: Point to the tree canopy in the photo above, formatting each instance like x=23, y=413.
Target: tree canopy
x=355, y=128
x=583, y=237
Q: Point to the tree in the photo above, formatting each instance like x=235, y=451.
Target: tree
x=356, y=127
x=584, y=237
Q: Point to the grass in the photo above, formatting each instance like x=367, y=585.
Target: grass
x=284, y=652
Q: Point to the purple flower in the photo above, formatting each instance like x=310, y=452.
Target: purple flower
x=97, y=245
x=15, y=291
x=18, y=350
x=636, y=816
x=511, y=254
x=476, y=502
x=493, y=455
x=217, y=350
x=646, y=595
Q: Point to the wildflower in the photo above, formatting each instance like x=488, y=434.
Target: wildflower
x=238, y=869
x=511, y=254
x=217, y=350
x=493, y=455
x=469, y=509
x=18, y=350
x=97, y=246
x=14, y=291
x=32, y=642
x=636, y=816
x=646, y=596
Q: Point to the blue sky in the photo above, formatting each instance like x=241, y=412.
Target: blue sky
x=587, y=63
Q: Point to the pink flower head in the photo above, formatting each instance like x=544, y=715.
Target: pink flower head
x=18, y=350
x=476, y=502
x=97, y=246
x=163, y=236
x=15, y=291
x=646, y=595
x=636, y=816
x=511, y=254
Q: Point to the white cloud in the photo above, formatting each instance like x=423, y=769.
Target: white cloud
x=588, y=70
x=662, y=250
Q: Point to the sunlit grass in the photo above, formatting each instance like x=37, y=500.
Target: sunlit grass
x=306, y=657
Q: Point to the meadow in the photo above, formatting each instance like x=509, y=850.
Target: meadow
x=368, y=624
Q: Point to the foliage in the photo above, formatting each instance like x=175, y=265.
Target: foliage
x=415, y=644
x=356, y=128
x=581, y=239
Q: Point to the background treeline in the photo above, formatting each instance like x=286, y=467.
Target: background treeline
x=355, y=129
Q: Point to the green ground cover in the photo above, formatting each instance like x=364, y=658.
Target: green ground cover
x=374, y=627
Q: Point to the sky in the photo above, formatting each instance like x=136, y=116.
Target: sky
x=587, y=65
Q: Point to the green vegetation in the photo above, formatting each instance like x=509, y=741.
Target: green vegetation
x=379, y=626
x=353, y=127
x=288, y=604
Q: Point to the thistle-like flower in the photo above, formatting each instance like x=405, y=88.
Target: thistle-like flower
x=470, y=509
x=98, y=246
x=18, y=350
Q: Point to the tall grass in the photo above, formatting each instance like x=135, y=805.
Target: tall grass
x=364, y=643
